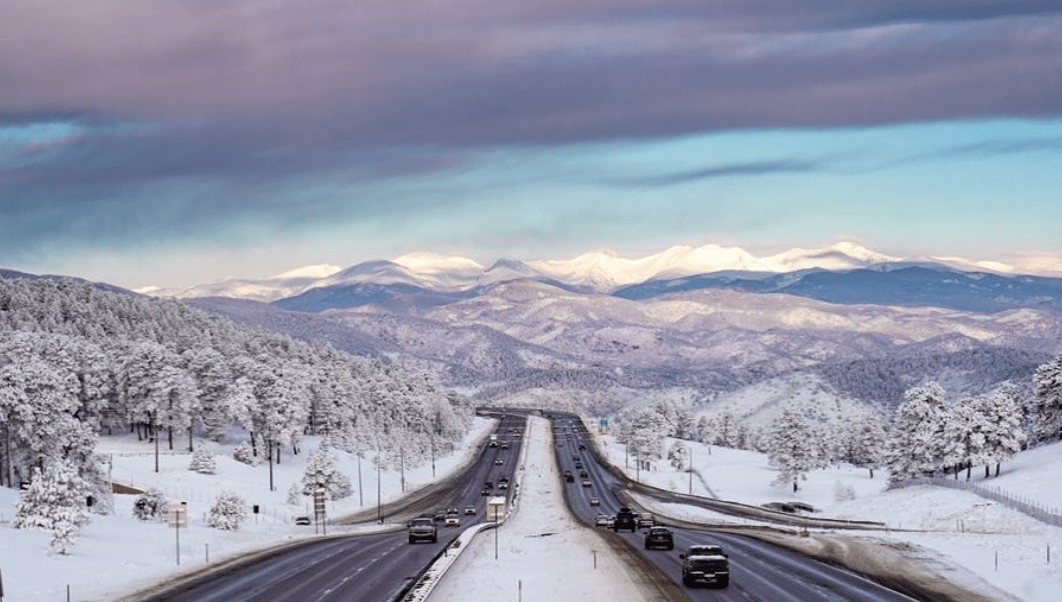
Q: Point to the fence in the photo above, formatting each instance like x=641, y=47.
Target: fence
x=1027, y=506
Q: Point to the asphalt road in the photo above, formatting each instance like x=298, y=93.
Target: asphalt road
x=759, y=571
x=367, y=568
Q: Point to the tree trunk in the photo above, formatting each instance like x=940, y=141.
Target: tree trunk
x=871, y=469
x=169, y=435
x=986, y=470
x=997, y=469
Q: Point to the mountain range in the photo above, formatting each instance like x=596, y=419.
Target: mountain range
x=840, y=325
x=600, y=271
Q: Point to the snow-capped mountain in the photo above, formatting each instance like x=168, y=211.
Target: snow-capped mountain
x=599, y=271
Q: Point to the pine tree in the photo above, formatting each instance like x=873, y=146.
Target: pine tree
x=1047, y=402
x=203, y=462
x=228, y=511
x=55, y=502
x=917, y=443
x=321, y=471
x=792, y=447
x=151, y=505
x=1002, y=411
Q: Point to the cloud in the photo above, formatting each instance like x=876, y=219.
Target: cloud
x=217, y=112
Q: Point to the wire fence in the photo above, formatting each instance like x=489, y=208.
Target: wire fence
x=1028, y=506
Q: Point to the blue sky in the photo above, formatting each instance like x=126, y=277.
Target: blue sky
x=197, y=141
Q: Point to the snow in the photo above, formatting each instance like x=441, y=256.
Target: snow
x=118, y=554
x=543, y=553
x=963, y=534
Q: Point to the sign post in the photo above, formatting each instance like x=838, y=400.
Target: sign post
x=177, y=517
x=319, y=510
x=497, y=507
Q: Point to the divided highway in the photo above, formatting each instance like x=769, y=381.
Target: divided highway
x=374, y=567
x=379, y=567
x=758, y=571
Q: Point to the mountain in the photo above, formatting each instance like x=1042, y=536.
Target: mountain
x=903, y=284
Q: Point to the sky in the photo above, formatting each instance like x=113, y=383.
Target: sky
x=175, y=142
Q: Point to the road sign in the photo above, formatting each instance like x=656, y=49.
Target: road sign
x=177, y=516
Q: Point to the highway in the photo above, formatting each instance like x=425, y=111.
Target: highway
x=759, y=571
x=367, y=568
x=379, y=567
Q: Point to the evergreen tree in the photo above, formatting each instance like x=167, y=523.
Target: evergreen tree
x=1002, y=410
x=203, y=462
x=792, y=447
x=1047, y=401
x=54, y=502
x=321, y=471
x=151, y=505
x=917, y=443
x=228, y=511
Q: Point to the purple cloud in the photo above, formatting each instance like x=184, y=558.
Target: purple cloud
x=239, y=92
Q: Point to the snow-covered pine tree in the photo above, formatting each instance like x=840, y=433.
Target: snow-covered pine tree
x=151, y=505
x=792, y=448
x=1046, y=407
x=228, y=512
x=679, y=455
x=244, y=454
x=294, y=495
x=917, y=442
x=203, y=461
x=321, y=471
x=1002, y=410
x=55, y=502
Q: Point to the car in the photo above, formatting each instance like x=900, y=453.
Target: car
x=659, y=537
x=488, y=484
x=503, y=486
x=487, y=491
x=595, y=502
x=568, y=476
x=646, y=520
x=587, y=483
x=439, y=516
x=582, y=447
x=423, y=528
x=503, y=479
x=579, y=465
x=584, y=475
x=499, y=462
x=302, y=520
x=470, y=510
x=602, y=520
x=452, y=520
x=626, y=519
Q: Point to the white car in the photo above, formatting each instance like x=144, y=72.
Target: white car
x=452, y=520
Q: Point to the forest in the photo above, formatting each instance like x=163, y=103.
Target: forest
x=78, y=361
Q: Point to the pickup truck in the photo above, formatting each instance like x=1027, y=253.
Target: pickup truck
x=423, y=528
x=705, y=563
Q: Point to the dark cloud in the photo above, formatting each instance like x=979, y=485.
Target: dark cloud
x=755, y=168
x=249, y=97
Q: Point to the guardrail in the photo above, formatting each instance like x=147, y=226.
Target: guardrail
x=1027, y=506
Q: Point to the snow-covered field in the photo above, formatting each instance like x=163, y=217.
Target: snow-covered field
x=953, y=528
x=117, y=554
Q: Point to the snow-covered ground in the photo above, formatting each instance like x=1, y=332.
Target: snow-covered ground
x=543, y=554
x=118, y=554
x=981, y=539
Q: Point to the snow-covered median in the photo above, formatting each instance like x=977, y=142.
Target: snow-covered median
x=542, y=552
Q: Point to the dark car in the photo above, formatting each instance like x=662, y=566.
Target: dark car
x=568, y=476
x=659, y=537
x=626, y=519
